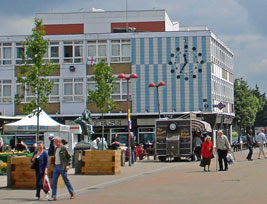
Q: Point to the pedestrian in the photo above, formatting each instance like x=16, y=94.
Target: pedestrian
x=249, y=141
x=197, y=143
x=102, y=145
x=132, y=144
x=20, y=146
x=222, y=147
x=94, y=144
x=206, y=152
x=261, y=139
x=51, y=149
x=40, y=160
x=115, y=144
x=62, y=165
x=148, y=147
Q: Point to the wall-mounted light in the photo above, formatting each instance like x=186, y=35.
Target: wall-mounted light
x=72, y=68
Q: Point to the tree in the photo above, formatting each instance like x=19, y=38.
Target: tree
x=101, y=96
x=261, y=116
x=34, y=72
x=246, y=104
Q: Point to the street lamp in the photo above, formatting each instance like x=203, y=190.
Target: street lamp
x=127, y=78
x=157, y=86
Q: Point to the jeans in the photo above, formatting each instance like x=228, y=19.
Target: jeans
x=250, y=153
x=39, y=183
x=58, y=169
x=222, y=157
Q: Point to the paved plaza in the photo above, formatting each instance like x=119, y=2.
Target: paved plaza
x=168, y=182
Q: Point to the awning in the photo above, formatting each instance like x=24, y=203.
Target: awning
x=198, y=125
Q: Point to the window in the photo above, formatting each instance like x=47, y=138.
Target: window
x=97, y=50
x=73, y=90
x=73, y=52
x=5, y=53
x=119, y=92
x=52, y=53
x=5, y=91
x=20, y=51
x=26, y=92
x=54, y=96
x=120, y=50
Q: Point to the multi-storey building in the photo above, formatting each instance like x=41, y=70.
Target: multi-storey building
x=196, y=66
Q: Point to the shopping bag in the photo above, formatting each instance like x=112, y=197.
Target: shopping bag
x=202, y=163
x=46, y=184
x=230, y=158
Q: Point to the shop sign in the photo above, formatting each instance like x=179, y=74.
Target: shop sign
x=111, y=122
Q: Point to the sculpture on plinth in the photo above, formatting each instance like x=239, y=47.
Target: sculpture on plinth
x=85, y=121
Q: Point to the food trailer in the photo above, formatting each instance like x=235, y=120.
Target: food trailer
x=174, y=137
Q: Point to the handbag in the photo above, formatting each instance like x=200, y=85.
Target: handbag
x=46, y=184
x=202, y=163
x=33, y=165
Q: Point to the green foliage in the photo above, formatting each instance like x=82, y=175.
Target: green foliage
x=247, y=104
x=105, y=84
x=234, y=134
x=34, y=72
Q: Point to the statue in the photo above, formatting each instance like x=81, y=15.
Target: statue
x=85, y=121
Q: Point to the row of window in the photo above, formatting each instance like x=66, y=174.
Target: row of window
x=73, y=90
x=72, y=52
x=220, y=55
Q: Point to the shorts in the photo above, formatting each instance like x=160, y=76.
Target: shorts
x=261, y=147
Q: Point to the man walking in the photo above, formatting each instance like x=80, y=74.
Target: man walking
x=249, y=140
x=222, y=146
x=260, y=140
x=62, y=165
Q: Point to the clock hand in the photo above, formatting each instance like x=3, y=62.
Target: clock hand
x=183, y=67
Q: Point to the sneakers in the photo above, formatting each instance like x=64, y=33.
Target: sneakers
x=52, y=199
x=37, y=198
x=72, y=196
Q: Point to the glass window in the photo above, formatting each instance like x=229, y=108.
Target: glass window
x=97, y=50
x=5, y=53
x=52, y=53
x=120, y=50
x=54, y=96
x=5, y=91
x=73, y=90
x=73, y=52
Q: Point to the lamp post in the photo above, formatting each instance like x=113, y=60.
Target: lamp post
x=162, y=83
x=127, y=78
x=157, y=86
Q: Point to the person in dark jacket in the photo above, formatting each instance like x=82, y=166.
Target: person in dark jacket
x=40, y=157
x=51, y=149
x=249, y=140
x=62, y=165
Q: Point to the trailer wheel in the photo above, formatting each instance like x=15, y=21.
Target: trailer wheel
x=162, y=158
x=177, y=159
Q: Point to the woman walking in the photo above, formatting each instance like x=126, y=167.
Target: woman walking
x=206, y=152
x=40, y=160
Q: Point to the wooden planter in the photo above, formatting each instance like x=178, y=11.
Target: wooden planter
x=97, y=162
x=21, y=176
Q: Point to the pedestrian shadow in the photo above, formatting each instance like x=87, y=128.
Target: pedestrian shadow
x=22, y=200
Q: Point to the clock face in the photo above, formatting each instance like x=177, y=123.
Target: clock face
x=172, y=126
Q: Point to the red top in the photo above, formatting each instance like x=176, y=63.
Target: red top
x=206, y=149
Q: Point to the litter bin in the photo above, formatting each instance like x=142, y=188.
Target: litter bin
x=78, y=151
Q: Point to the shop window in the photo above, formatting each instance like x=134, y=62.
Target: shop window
x=5, y=91
x=73, y=90
x=73, y=52
x=5, y=53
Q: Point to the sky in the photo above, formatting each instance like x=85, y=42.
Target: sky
x=240, y=24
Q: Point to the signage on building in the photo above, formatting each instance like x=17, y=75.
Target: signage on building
x=220, y=106
x=110, y=122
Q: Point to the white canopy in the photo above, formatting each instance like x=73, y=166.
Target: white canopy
x=29, y=124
